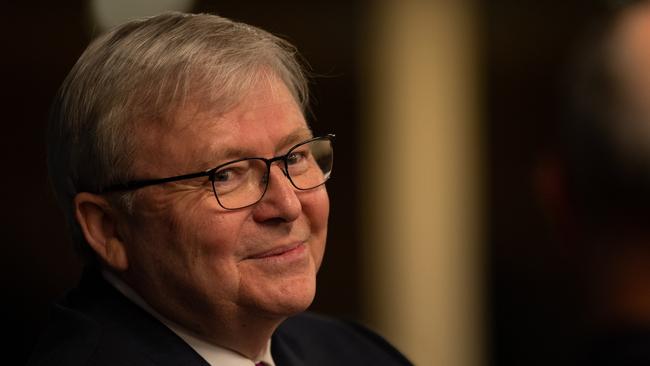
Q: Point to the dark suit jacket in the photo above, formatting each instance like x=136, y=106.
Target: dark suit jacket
x=97, y=325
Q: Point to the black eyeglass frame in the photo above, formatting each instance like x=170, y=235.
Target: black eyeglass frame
x=210, y=173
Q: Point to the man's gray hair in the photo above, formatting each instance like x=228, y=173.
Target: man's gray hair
x=143, y=71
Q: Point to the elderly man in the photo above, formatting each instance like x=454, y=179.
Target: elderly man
x=180, y=154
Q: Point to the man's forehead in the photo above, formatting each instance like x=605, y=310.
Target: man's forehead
x=203, y=138
x=266, y=95
x=231, y=149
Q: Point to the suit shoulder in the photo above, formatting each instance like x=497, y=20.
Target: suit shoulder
x=96, y=325
x=315, y=339
x=70, y=338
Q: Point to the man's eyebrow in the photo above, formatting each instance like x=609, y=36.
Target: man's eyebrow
x=232, y=153
x=295, y=137
x=225, y=155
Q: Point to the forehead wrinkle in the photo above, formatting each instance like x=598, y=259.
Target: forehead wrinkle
x=227, y=153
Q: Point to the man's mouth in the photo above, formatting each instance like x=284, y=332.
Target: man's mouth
x=279, y=251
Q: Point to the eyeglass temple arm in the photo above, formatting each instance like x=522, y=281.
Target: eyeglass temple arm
x=149, y=182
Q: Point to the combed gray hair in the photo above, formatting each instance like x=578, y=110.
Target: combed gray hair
x=144, y=70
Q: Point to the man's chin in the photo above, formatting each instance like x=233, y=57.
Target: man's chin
x=286, y=301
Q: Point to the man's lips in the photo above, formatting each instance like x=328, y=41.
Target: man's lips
x=278, y=251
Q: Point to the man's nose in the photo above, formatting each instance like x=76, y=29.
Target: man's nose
x=280, y=200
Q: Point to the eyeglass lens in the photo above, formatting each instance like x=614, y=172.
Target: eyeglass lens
x=243, y=183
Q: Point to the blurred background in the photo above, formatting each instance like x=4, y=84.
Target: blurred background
x=444, y=113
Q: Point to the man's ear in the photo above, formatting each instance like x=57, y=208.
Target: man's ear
x=98, y=222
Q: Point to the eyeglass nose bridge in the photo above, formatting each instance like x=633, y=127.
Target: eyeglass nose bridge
x=283, y=168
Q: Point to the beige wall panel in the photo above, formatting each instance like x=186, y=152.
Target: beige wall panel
x=421, y=224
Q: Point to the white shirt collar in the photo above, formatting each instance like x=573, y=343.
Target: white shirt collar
x=213, y=354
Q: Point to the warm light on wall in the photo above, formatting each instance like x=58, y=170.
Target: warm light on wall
x=421, y=211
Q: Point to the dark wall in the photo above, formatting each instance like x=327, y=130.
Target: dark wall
x=532, y=306
x=41, y=40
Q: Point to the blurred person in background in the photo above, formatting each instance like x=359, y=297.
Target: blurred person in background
x=195, y=190
x=597, y=187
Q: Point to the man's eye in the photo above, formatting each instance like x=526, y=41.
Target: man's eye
x=295, y=157
x=223, y=175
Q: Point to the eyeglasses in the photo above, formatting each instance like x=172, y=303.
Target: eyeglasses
x=243, y=182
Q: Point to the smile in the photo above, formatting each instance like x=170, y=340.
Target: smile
x=281, y=252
